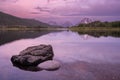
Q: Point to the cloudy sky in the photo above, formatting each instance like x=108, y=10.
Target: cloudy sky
x=63, y=10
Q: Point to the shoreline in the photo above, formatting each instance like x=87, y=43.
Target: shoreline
x=99, y=29
x=75, y=29
x=31, y=29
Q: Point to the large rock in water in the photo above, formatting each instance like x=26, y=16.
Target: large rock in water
x=32, y=56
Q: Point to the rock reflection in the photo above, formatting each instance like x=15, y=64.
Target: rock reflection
x=32, y=68
x=28, y=68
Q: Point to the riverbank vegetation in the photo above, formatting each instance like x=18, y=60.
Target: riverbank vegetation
x=98, y=29
x=97, y=26
x=25, y=28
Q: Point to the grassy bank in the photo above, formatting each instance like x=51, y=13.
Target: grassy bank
x=98, y=29
x=30, y=29
x=76, y=29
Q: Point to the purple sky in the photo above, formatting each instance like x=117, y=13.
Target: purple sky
x=63, y=10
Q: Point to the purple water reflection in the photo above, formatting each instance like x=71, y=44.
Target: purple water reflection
x=83, y=51
x=71, y=46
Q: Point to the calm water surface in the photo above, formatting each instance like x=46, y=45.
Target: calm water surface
x=82, y=57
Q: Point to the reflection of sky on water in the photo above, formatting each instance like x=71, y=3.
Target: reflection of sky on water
x=70, y=47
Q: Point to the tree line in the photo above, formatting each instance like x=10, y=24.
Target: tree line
x=100, y=24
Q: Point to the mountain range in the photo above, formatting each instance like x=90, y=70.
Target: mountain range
x=10, y=20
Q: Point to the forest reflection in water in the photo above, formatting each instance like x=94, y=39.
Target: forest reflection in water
x=101, y=33
x=9, y=36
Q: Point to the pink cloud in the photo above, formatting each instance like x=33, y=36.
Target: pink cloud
x=60, y=9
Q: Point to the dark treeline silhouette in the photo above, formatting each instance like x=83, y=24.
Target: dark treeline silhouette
x=100, y=24
x=98, y=29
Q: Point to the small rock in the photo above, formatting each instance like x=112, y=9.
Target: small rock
x=50, y=65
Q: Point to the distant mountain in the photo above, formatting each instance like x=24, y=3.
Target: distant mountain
x=54, y=24
x=10, y=20
x=67, y=24
x=86, y=20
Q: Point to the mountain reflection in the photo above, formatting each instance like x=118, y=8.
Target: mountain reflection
x=9, y=36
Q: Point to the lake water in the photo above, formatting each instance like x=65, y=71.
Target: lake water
x=82, y=56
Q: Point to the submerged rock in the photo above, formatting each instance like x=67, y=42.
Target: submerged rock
x=49, y=65
x=32, y=56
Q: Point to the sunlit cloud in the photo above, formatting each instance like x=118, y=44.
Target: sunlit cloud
x=60, y=9
x=8, y=0
x=43, y=9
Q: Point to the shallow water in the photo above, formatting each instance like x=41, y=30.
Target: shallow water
x=82, y=57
